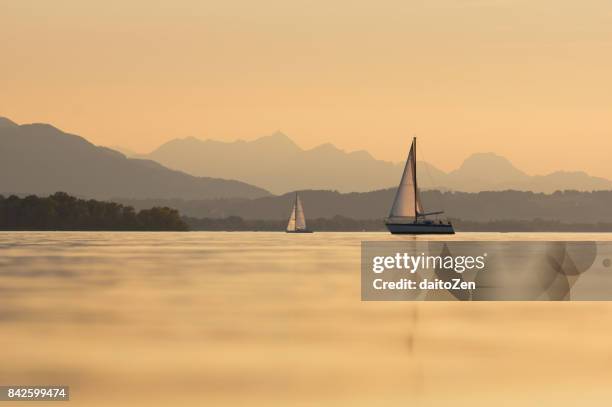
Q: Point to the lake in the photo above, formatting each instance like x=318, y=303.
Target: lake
x=254, y=318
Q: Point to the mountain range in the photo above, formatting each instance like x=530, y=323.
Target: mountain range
x=279, y=165
x=41, y=159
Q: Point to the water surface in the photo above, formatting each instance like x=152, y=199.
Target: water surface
x=212, y=318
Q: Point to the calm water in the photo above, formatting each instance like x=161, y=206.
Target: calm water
x=158, y=319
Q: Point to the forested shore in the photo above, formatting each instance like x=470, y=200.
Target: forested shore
x=61, y=211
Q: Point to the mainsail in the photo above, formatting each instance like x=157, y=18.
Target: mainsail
x=407, y=201
x=291, y=224
x=297, y=220
x=300, y=219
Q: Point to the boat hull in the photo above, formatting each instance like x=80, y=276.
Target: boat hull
x=420, y=228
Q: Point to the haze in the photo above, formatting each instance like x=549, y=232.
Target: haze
x=528, y=80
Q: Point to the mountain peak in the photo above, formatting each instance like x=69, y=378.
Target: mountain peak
x=487, y=162
x=277, y=135
x=486, y=171
x=4, y=122
x=326, y=147
x=277, y=138
x=486, y=157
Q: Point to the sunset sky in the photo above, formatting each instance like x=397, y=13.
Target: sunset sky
x=530, y=80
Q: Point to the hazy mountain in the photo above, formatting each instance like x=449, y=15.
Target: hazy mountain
x=125, y=151
x=484, y=171
x=276, y=163
x=567, y=206
x=4, y=122
x=40, y=159
x=491, y=172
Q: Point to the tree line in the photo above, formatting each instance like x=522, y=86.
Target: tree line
x=61, y=211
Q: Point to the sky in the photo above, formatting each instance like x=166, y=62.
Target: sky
x=529, y=80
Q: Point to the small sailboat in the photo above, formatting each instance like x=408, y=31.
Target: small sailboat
x=407, y=215
x=297, y=220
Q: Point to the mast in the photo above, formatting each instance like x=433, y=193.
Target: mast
x=416, y=212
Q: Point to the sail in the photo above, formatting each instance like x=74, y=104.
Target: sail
x=291, y=224
x=418, y=202
x=407, y=201
x=300, y=219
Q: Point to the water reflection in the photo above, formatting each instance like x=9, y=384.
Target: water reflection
x=157, y=319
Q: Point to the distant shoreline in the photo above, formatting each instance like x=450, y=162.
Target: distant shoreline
x=62, y=212
x=343, y=224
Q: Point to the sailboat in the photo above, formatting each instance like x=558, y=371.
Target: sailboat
x=407, y=215
x=297, y=220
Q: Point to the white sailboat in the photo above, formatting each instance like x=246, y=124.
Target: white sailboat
x=297, y=220
x=407, y=215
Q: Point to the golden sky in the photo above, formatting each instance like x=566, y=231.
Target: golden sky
x=530, y=80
